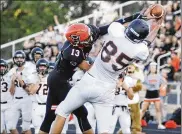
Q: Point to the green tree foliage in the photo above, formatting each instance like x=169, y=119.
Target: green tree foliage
x=23, y=18
x=28, y=17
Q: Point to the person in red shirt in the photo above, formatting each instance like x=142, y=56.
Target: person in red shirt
x=175, y=61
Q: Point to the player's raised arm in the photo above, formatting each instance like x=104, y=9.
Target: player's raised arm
x=155, y=26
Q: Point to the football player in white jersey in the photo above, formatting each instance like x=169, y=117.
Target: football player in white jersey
x=40, y=90
x=36, y=54
x=123, y=98
x=120, y=109
x=122, y=47
x=21, y=78
x=6, y=97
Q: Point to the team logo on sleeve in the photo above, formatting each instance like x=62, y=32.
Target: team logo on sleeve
x=73, y=63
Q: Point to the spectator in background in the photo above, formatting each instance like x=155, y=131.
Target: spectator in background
x=167, y=44
x=55, y=52
x=169, y=14
x=166, y=47
x=28, y=45
x=47, y=53
x=175, y=6
x=170, y=71
x=169, y=28
x=175, y=44
x=175, y=61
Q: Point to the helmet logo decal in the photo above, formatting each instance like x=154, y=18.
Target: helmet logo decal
x=134, y=32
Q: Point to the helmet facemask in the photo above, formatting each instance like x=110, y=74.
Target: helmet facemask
x=3, y=69
x=37, y=56
x=19, y=60
x=42, y=69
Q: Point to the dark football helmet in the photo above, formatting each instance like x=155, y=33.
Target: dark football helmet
x=37, y=53
x=137, y=30
x=51, y=66
x=19, y=58
x=3, y=67
x=42, y=66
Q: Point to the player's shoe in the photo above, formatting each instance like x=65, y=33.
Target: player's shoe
x=160, y=126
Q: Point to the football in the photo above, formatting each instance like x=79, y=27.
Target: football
x=157, y=11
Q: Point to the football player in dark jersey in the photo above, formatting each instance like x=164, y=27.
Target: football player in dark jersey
x=80, y=38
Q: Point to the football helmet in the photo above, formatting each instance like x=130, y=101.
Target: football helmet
x=79, y=34
x=42, y=66
x=19, y=58
x=51, y=66
x=137, y=30
x=37, y=53
x=3, y=67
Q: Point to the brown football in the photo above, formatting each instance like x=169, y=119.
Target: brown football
x=157, y=11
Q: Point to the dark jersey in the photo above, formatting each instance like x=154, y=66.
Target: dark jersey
x=69, y=58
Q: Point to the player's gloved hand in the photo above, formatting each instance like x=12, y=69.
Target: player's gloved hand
x=137, y=87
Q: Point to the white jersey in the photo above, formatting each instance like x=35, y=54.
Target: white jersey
x=28, y=77
x=41, y=94
x=31, y=65
x=121, y=97
x=116, y=54
x=5, y=86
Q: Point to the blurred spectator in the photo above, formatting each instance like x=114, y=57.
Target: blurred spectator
x=47, y=53
x=167, y=44
x=175, y=44
x=170, y=70
x=27, y=47
x=175, y=6
x=169, y=28
x=175, y=61
x=169, y=14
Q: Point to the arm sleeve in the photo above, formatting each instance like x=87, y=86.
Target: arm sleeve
x=142, y=54
x=103, y=29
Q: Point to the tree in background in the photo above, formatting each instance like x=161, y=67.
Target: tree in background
x=22, y=18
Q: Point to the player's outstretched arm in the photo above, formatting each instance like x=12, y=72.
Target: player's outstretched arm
x=103, y=29
x=143, y=14
x=156, y=24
